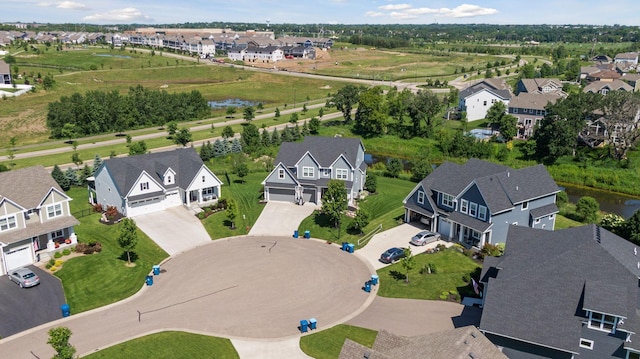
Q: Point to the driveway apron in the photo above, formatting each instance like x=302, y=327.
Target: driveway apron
x=175, y=229
x=281, y=219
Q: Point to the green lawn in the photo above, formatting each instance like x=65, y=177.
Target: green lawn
x=92, y=281
x=170, y=345
x=564, y=222
x=385, y=208
x=451, y=266
x=328, y=343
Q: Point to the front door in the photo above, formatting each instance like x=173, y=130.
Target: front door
x=193, y=196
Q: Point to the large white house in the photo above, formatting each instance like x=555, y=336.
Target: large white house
x=477, y=99
x=152, y=182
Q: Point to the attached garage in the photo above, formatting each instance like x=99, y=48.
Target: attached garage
x=18, y=257
x=309, y=195
x=144, y=206
x=281, y=194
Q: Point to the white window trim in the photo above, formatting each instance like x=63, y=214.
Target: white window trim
x=342, y=174
x=602, y=322
x=308, y=172
x=8, y=222
x=464, y=206
x=482, y=212
x=280, y=173
x=55, y=211
x=586, y=343
x=421, y=197
x=537, y=220
x=473, y=209
x=525, y=206
x=144, y=186
x=447, y=200
x=551, y=216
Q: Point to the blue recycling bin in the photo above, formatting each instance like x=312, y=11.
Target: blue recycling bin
x=350, y=247
x=313, y=323
x=367, y=286
x=295, y=234
x=374, y=279
x=66, y=310
x=149, y=280
x=156, y=270
x=304, y=326
x=344, y=246
x=307, y=234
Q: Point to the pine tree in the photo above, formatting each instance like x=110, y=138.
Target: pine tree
x=305, y=129
x=97, y=162
x=84, y=174
x=236, y=146
x=71, y=176
x=60, y=178
x=265, y=138
x=275, y=137
x=287, y=136
x=296, y=132
x=218, y=148
x=205, y=151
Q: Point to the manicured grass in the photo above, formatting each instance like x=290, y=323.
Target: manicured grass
x=451, y=266
x=384, y=207
x=170, y=345
x=328, y=343
x=247, y=195
x=95, y=280
x=564, y=222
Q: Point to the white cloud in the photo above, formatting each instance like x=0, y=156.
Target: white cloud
x=71, y=5
x=395, y=7
x=373, y=14
x=466, y=10
x=402, y=15
x=129, y=14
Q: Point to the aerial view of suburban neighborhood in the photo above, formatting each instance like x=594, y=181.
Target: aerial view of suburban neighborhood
x=345, y=180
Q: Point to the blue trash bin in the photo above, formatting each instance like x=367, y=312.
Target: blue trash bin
x=313, y=323
x=367, y=286
x=66, y=310
x=307, y=234
x=156, y=270
x=295, y=234
x=304, y=325
x=149, y=280
x=350, y=247
x=344, y=246
x=374, y=279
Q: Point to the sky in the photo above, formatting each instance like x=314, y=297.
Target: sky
x=558, y=12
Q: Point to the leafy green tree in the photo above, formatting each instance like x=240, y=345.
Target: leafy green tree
x=345, y=99
x=527, y=71
x=183, y=137
x=249, y=113
x=424, y=108
x=614, y=223
x=632, y=228
x=60, y=178
x=587, y=208
x=304, y=108
x=321, y=112
x=294, y=118
x=75, y=158
x=277, y=113
x=371, y=115
x=314, y=125
x=48, y=82
x=620, y=110
x=394, y=167
x=251, y=138
x=172, y=127
x=242, y=170
x=227, y=132
x=360, y=220
x=506, y=124
x=138, y=148
x=231, y=111
x=371, y=183
x=421, y=169
x=59, y=340
x=334, y=201
x=260, y=106
x=408, y=263
x=128, y=237
x=231, y=212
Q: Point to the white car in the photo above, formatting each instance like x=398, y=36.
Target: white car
x=24, y=277
x=424, y=237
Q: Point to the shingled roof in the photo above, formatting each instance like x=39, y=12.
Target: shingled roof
x=34, y=184
x=539, y=290
x=325, y=150
x=496, y=87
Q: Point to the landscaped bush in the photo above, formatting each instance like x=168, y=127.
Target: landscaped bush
x=53, y=269
x=48, y=266
x=111, y=213
x=97, y=208
x=59, y=263
x=66, y=252
x=89, y=248
x=51, y=262
x=492, y=250
x=57, y=255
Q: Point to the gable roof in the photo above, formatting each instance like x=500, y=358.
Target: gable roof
x=325, y=150
x=125, y=171
x=597, y=86
x=4, y=67
x=536, y=85
x=536, y=101
x=546, y=280
x=494, y=86
x=35, y=183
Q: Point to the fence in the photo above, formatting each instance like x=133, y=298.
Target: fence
x=366, y=238
x=83, y=213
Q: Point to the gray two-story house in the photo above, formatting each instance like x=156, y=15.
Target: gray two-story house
x=475, y=203
x=303, y=169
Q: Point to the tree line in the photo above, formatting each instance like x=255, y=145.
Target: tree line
x=101, y=112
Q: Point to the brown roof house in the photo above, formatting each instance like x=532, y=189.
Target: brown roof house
x=35, y=218
x=603, y=87
x=460, y=343
x=529, y=109
x=5, y=73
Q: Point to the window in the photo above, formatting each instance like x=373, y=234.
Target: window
x=602, y=322
x=525, y=205
x=54, y=210
x=527, y=121
x=56, y=234
x=633, y=355
x=203, y=179
x=551, y=216
x=326, y=172
x=515, y=110
x=493, y=100
x=485, y=103
x=168, y=179
x=307, y=171
x=144, y=186
x=7, y=223
x=586, y=343
x=447, y=200
x=281, y=173
x=473, y=209
x=482, y=213
x=464, y=206
x=537, y=220
x=342, y=174
x=421, y=197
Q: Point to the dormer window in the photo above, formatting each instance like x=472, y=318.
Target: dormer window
x=144, y=186
x=169, y=179
x=447, y=200
x=421, y=197
x=602, y=322
x=464, y=206
x=54, y=210
x=281, y=173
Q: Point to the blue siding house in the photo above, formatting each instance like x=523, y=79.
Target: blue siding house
x=475, y=203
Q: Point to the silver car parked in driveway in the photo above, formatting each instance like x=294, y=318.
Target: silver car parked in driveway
x=24, y=277
x=424, y=237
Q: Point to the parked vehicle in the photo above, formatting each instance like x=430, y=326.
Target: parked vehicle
x=424, y=237
x=391, y=255
x=24, y=277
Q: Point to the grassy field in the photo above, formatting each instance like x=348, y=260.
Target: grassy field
x=451, y=266
x=108, y=268
x=328, y=343
x=170, y=345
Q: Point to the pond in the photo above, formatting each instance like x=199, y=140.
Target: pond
x=617, y=203
x=371, y=159
x=231, y=102
x=110, y=55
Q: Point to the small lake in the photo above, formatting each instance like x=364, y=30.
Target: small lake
x=110, y=55
x=231, y=102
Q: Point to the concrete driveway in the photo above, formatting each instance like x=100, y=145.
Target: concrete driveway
x=281, y=219
x=175, y=230
x=24, y=308
x=395, y=237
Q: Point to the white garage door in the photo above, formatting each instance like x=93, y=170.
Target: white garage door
x=18, y=257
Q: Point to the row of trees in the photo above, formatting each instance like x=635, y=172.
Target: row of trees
x=100, y=112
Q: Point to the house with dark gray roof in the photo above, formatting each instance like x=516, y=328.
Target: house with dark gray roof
x=476, y=100
x=476, y=203
x=34, y=217
x=571, y=293
x=303, y=169
x=460, y=343
x=152, y=182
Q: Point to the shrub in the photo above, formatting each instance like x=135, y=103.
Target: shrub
x=587, y=208
x=444, y=295
x=91, y=242
x=48, y=266
x=222, y=203
x=59, y=263
x=491, y=250
x=371, y=183
x=53, y=269
x=111, y=212
x=66, y=252
x=97, y=208
x=57, y=255
x=466, y=278
x=562, y=198
x=202, y=215
x=88, y=250
x=51, y=262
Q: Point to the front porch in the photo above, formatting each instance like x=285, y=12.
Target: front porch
x=202, y=197
x=469, y=232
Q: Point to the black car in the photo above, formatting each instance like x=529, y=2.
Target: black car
x=391, y=255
